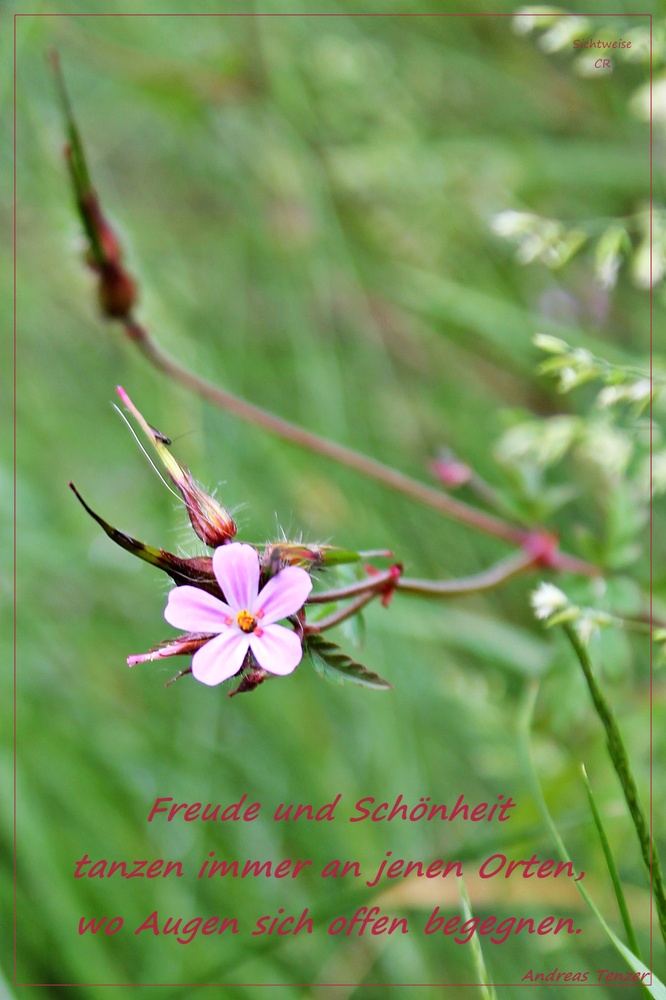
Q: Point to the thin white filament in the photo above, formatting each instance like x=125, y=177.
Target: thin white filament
x=136, y=438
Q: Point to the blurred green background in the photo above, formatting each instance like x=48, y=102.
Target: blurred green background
x=307, y=203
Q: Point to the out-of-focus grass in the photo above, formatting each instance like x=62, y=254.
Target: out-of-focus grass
x=306, y=202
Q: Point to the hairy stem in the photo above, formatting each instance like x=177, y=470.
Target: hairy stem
x=476, y=584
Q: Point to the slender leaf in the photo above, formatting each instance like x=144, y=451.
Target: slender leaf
x=487, y=989
x=612, y=868
x=330, y=661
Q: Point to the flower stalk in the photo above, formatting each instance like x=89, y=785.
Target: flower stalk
x=372, y=584
x=620, y=761
x=339, y=616
x=550, y=555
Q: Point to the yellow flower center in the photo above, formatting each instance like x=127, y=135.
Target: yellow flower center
x=246, y=621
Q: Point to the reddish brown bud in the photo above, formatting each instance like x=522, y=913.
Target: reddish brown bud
x=212, y=523
x=251, y=680
x=117, y=292
x=108, y=241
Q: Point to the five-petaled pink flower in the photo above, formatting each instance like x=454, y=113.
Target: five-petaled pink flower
x=246, y=621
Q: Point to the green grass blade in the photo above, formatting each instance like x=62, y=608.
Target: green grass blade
x=612, y=869
x=487, y=989
x=656, y=988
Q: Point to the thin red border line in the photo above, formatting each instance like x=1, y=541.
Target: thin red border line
x=650, y=531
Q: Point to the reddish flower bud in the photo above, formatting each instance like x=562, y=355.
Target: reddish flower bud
x=117, y=292
x=106, y=238
x=212, y=523
x=251, y=680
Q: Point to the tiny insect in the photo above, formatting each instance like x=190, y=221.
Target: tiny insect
x=159, y=436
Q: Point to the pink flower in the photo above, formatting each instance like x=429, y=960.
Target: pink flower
x=246, y=621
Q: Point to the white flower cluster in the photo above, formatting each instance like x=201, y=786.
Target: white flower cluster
x=552, y=606
x=574, y=366
x=538, y=238
x=554, y=244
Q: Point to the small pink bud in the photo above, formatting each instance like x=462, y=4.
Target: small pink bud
x=451, y=472
x=542, y=546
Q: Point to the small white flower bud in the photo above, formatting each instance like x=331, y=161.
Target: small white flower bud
x=547, y=599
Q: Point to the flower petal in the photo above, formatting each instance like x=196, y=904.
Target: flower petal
x=236, y=567
x=277, y=649
x=196, y=610
x=285, y=593
x=220, y=658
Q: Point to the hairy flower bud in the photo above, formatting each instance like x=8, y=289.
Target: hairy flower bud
x=210, y=520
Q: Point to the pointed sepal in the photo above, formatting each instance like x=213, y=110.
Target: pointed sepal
x=197, y=572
